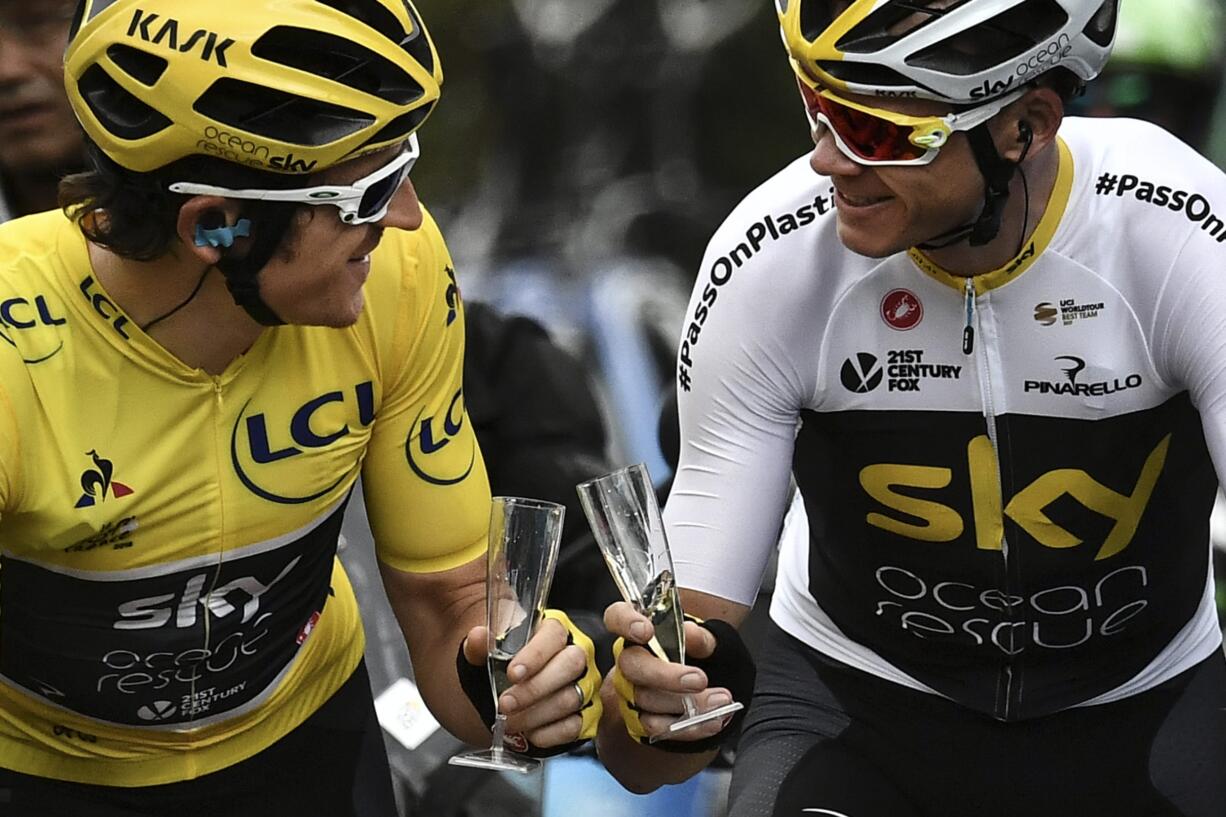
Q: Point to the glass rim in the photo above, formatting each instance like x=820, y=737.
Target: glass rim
x=528, y=502
x=633, y=467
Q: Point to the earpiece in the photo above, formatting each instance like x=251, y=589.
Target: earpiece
x=212, y=219
x=212, y=230
x=1024, y=131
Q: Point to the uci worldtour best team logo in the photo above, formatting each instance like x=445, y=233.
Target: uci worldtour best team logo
x=261, y=441
x=434, y=448
x=1067, y=311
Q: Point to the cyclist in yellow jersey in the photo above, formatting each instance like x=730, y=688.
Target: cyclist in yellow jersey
x=241, y=309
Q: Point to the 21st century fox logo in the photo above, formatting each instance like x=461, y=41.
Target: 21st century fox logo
x=905, y=370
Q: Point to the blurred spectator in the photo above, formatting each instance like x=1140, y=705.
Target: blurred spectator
x=595, y=128
x=39, y=137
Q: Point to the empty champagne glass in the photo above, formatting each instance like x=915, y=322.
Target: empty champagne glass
x=523, y=551
x=625, y=518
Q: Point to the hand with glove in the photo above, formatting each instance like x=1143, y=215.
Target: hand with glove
x=718, y=670
x=552, y=705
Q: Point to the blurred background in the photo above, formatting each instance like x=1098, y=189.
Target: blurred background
x=582, y=154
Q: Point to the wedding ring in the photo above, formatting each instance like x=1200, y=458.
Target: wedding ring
x=582, y=697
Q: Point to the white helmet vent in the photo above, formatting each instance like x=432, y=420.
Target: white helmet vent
x=1101, y=28
x=1002, y=38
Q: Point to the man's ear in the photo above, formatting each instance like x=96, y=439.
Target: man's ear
x=200, y=219
x=1026, y=127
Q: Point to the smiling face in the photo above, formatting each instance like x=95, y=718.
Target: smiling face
x=886, y=209
x=315, y=278
x=38, y=131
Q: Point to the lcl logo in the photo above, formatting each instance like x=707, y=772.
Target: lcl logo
x=305, y=433
x=424, y=447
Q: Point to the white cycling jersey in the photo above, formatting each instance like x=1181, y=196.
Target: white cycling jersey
x=1007, y=479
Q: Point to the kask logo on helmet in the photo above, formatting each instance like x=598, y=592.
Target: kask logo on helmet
x=212, y=46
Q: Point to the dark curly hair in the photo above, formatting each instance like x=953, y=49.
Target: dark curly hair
x=134, y=215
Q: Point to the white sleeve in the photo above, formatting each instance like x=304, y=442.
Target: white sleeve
x=1190, y=334
x=739, y=396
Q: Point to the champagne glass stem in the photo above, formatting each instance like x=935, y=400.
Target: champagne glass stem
x=499, y=732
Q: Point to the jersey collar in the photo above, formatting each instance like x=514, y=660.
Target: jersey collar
x=1039, y=240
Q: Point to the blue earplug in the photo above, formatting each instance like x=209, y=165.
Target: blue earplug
x=222, y=236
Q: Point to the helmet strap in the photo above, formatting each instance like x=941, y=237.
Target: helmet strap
x=243, y=274
x=997, y=173
x=245, y=290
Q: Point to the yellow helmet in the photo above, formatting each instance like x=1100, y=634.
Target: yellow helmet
x=287, y=86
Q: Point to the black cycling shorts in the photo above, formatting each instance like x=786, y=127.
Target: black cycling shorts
x=333, y=765
x=825, y=739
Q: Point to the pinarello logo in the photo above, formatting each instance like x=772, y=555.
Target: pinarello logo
x=1045, y=313
x=901, y=309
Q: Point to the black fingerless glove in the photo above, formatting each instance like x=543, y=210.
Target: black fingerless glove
x=475, y=681
x=730, y=666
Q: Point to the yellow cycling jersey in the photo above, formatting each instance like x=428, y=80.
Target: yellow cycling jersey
x=170, y=598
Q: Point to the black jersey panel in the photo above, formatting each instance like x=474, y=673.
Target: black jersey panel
x=178, y=646
x=991, y=570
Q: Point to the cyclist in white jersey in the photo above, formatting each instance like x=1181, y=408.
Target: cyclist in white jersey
x=989, y=343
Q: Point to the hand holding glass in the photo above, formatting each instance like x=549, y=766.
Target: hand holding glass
x=621, y=508
x=523, y=551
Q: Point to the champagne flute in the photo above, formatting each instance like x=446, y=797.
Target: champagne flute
x=622, y=511
x=523, y=551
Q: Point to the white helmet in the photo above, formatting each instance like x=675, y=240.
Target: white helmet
x=959, y=51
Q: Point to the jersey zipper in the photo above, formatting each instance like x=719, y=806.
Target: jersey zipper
x=1004, y=701
x=968, y=329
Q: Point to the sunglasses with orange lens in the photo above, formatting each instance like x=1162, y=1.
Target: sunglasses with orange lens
x=874, y=136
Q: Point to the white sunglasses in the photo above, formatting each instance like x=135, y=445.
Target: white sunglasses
x=361, y=202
